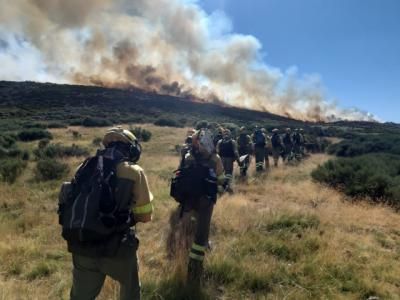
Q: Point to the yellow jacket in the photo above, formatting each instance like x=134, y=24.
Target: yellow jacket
x=132, y=186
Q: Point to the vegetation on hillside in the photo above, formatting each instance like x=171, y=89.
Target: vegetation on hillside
x=281, y=236
x=375, y=176
x=366, y=143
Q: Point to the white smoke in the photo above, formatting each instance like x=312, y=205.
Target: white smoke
x=170, y=46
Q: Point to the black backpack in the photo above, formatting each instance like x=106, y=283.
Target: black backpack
x=191, y=183
x=88, y=210
x=275, y=140
x=226, y=148
x=259, y=138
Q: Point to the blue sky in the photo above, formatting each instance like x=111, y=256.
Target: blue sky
x=354, y=45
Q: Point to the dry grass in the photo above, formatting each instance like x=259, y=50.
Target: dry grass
x=281, y=236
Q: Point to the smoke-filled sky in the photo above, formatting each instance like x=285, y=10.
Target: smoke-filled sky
x=254, y=54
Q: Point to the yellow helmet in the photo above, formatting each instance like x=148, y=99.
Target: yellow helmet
x=118, y=134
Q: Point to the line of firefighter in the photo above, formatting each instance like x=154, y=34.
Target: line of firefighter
x=206, y=165
x=289, y=146
x=216, y=153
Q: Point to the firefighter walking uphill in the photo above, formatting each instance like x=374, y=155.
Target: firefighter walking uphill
x=228, y=151
x=195, y=187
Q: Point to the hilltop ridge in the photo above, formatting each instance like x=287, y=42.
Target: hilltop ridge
x=69, y=103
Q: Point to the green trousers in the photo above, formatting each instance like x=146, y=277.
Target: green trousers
x=261, y=154
x=89, y=274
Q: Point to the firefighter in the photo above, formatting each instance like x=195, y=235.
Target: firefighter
x=260, y=149
x=228, y=151
x=277, y=146
x=196, y=189
x=245, y=149
x=288, y=144
x=115, y=257
x=302, y=142
x=297, y=144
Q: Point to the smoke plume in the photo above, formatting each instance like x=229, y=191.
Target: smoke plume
x=169, y=46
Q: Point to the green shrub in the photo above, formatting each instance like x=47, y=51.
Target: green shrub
x=364, y=144
x=50, y=169
x=34, y=134
x=7, y=140
x=75, y=122
x=141, y=134
x=96, y=122
x=202, y=124
x=97, y=141
x=76, y=134
x=43, y=143
x=31, y=125
x=56, y=125
x=58, y=150
x=167, y=122
x=10, y=169
x=373, y=175
x=14, y=152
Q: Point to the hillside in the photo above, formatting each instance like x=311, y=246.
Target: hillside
x=68, y=103
x=24, y=102
x=282, y=236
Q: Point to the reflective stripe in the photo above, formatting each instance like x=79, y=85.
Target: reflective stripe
x=198, y=247
x=196, y=257
x=143, y=209
x=228, y=176
x=221, y=177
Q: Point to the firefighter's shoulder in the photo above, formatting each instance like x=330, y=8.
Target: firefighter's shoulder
x=129, y=170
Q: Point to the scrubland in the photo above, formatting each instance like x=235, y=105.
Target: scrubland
x=279, y=236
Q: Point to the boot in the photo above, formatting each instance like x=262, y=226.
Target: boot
x=195, y=271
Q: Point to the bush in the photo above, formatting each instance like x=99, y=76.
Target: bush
x=141, y=134
x=97, y=141
x=167, y=122
x=76, y=134
x=14, y=152
x=56, y=125
x=58, y=150
x=75, y=122
x=43, y=143
x=10, y=169
x=364, y=144
x=376, y=176
x=31, y=125
x=96, y=122
x=50, y=169
x=34, y=134
x=201, y=124
x=7, y=140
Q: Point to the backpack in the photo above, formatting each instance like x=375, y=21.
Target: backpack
x=226, y=148
x=88, y=210
x=275, y=140
x=243, y=141
x=259, y=138
x=193, y=182
x=287, y=139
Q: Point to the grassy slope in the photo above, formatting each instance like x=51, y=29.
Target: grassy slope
x=281, y=237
